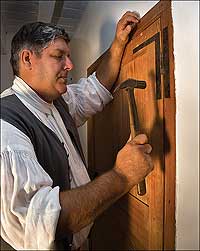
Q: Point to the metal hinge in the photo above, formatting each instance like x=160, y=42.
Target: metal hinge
x=162, y=69
x=165, y=63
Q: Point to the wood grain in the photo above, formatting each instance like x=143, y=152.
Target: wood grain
x=139, y=222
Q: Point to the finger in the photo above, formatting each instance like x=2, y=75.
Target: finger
x=150, y=162
x=126, y=13
x=136, y=14
x=140, y=139
x=132, y=13
x=128, y=29
x=146, y=148
x=128, y=20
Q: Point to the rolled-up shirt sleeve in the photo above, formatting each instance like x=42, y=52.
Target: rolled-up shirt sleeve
x=86, y=98
x=30, y=207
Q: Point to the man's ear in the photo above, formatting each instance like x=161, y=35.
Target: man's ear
x=26, y=59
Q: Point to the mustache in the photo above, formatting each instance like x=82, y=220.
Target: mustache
x=65, y=77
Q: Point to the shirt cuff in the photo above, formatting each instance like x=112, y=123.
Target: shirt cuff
x=105, y=95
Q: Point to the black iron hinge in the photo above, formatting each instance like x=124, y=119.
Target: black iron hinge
x=165, y=63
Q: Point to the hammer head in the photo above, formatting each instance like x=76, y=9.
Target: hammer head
x=131, y=84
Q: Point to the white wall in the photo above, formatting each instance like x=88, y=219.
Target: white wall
x=186, y=50
x=93, y=37
x=6, y=70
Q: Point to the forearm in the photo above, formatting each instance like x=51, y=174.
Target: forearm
x=108, y=69
x=82, y=205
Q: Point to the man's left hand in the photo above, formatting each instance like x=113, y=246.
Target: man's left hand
x=124, y=27
x=108, y=69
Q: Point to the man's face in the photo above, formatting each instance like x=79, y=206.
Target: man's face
x=50, y=70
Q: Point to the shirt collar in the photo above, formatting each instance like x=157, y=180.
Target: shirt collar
x=21, y=88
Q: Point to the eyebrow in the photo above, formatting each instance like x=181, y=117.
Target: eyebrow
x=63, y=52
x=60, y=50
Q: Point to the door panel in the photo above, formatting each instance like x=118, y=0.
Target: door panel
x=134, y=222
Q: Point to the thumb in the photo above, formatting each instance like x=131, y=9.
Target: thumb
x=140, y=139
x=128, y=29
x=124, y=33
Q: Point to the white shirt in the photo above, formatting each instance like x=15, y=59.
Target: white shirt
x=30, y=207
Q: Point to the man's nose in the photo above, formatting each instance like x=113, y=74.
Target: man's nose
x=68, y=64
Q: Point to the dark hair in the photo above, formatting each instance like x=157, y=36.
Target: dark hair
x=34, y=36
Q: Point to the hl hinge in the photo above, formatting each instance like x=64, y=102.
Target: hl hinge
x=162, y=69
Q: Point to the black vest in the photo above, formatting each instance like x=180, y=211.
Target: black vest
x=49, y=150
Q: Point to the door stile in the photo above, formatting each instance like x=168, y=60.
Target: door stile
x=169, y=130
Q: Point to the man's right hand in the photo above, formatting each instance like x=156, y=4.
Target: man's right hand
x=134, y=161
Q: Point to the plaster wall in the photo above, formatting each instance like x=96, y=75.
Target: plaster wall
x=186, y=51
x=6, y=70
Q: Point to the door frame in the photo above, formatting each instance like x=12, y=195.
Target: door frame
x=163, y=11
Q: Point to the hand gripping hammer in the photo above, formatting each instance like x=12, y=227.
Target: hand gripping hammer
x=129, y=85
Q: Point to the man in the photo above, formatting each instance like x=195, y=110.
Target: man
x=48, y=200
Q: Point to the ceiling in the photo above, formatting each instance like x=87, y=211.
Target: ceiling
x=16, y=13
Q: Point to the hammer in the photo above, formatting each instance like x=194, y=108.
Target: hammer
x=129, y=85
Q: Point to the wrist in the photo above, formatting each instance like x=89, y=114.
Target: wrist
x=122, y=179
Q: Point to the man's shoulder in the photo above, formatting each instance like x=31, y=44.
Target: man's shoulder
x=14, y=138
x=7, y=92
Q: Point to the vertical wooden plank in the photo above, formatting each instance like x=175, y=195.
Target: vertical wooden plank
x=170, y=140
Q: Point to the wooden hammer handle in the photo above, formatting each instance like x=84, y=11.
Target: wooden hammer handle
x=134, y=127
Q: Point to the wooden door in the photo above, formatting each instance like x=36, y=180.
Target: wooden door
x=140, y=222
